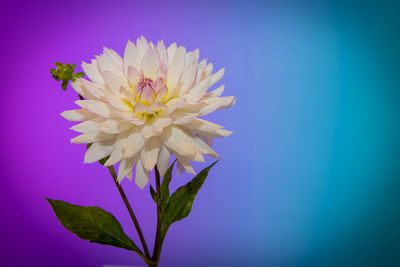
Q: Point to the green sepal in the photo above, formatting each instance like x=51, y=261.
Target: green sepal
x=64, y=85
x=93, y=224
x=164, y=190
x=181, y=201
x=79, y=75
x=54, y=74
x=104, y=160
x=153, y=194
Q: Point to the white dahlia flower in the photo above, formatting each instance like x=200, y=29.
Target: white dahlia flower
x=145, y=107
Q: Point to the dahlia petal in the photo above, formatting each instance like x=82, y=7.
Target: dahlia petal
x=163, y=160
x=128, y=116
x=174, y=93
x=159, y=107
x=217, y=92
x=180, y=168
x=206, y=139
x=117, y=152
x=93, y=89
x=224, y=133
x=150, y=153
x=150, y=63
x=202, y=65
x=122, y=169
x=140, y=108
x=131, y=57
x=161, y=94
x=106, y=63
x=115, y=126
x=184, y=162
x=146, y=96
x=188, y=78
x=204, y=148
x=142, y=175
x=175, y=104
x=92, y=71
x=113, y=58
x=175, y=69
x=133, y=75
x=217, y=76
x=92, y=137
x=97, y=107
x=162, y=70
x=192, y=57
x=142, y=46
x=146, y=132
x=171, y=52
x=114, y=81
x=208, y=69
x=162, y=51
x=77, y=115
x=180, y=117
x=115, y=157
x=98, y=151
x=159, y=125
x=194, y=98
x=129, y=175
x=202, y=86
x=116, y=102
x=178, y=141
x=203, y=125
x=198, y=156
x=128, y=95
x=89, y=126
x=134, y=144
x=213, y=104
x=125, y=167
x=206, y=128
x=80, y=89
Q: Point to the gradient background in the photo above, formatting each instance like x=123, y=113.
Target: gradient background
x=310, y=177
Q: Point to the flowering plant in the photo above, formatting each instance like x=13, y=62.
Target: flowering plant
x=137, y=111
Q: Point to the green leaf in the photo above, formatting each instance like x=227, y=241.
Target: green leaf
x=164, y=190
x=93, y=224
x=153, y=194
x=181, y=201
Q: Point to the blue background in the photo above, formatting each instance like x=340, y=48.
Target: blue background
x=310, y=177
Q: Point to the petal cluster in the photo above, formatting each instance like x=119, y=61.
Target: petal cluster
x=141, y=108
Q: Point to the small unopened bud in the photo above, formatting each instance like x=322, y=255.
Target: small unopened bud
x=65, y=72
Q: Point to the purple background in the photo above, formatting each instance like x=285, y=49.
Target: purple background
x=310, y=177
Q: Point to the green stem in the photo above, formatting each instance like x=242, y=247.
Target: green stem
x=158, y=240
x=130, y=210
